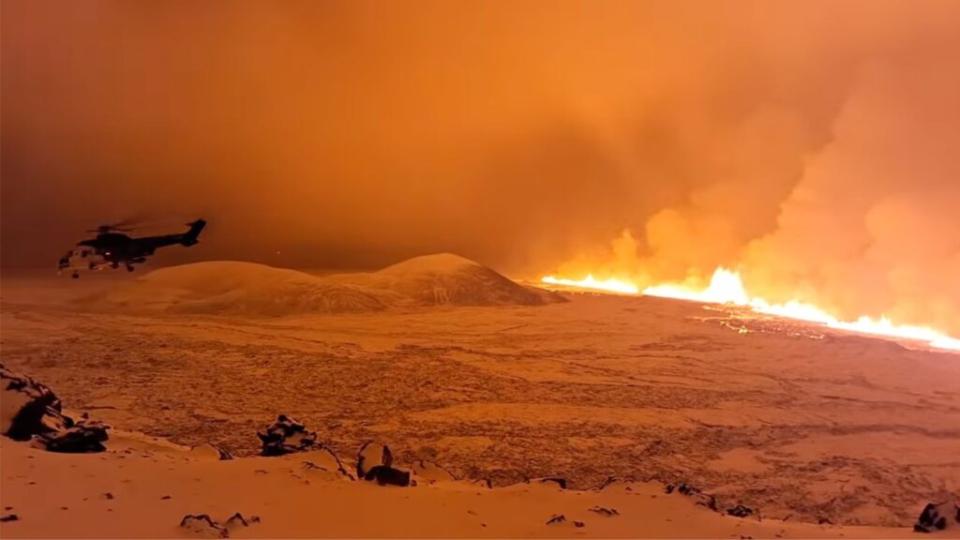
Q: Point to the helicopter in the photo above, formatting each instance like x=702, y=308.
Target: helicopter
x=113, y=247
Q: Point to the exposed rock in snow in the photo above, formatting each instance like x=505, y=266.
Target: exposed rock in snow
x=938, y=517
x=30, y=410
x=375, y=462
x=286, y=436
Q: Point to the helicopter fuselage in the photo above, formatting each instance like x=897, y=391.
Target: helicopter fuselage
x=116, y=248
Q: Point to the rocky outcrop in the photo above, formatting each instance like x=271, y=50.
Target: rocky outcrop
x=286, y=436
x=28, y=407
x=740, y=511
x=698, y=496
x=29, y=410
x=937, y=517
x=375, y=462
x=204, y=526
x=556, y=519
x=79, y=437
x=604, y=511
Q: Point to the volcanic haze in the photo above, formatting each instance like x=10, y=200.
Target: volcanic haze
x=805, y=154
x=810, y=145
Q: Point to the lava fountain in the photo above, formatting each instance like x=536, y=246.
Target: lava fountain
x=609, y=285
x=726, y=287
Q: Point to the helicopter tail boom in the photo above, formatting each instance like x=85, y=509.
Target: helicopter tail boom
x=190, y=237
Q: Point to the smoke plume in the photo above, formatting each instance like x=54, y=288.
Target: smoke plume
x=811, y=145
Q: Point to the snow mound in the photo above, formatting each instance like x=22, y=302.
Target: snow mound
x=447, y=279
x=239, y=288
x=250, y=289
x=438, y=263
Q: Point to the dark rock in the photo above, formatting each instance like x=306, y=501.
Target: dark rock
x=370, y=455
x=938, y=517
x=704, y=499
x=202, y=524
x=556, y=519
x=108, y=496
x=237, y=520
x=699, y=497
x=579, y=524
x=388, y=476
x=286, y=436
x=9, y=517
x=84, y=436
x=375, y=462
x=31, y=410
x=28, y=407
x=223, y=453
x=740, y=511
x=603, y=511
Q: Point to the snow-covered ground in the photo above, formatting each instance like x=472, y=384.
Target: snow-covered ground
x=801, y=423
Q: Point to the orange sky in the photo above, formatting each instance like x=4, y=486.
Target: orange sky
x=524, y=134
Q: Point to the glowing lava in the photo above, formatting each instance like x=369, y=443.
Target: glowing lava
x=610, y=285
x=726, y=287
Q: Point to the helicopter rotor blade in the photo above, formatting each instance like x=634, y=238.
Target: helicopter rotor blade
x=107, y=228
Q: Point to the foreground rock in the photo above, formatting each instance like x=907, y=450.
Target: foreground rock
x=286, y=436
x=556, y=519
x=79, y=437
x=698, y=496
x=29, y=410
x=604, y=511
x=204, y=526
x=937, y=517
x=28, y=407
x=375, y=462
x=740, y=511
